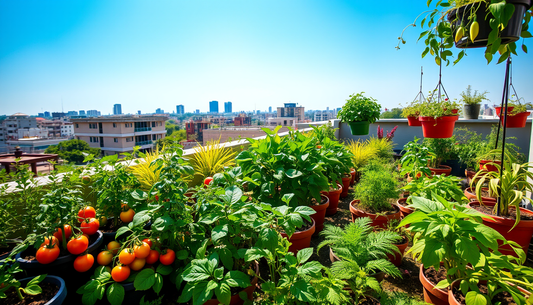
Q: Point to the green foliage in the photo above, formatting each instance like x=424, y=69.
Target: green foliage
x=412, y=109
x=415, y=160
x=436, y=107
x=336, y=160
x=398, y=298
x=211, y=158
x=73, y=150
x=8, y=270
x=472, y=99
x=375, y=188
x=444, y=150
x=382, y=148
x=321, y=132
x=360, y=108
x=9, y=222
x=392, y=113
x=448, y=187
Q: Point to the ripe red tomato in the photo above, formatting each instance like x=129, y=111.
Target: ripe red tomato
x=208, y=180
x=90, y=227
x=148, y=241
x=127, y=216
x=137, y=264
x=104, y=258
x=120, y=273
x=141, y=251
x=153, y=257
x=113, y=246
x=167, y=257
x=83, y=263
x=86, y=212
x=156, y=197
x=59, y=234
x=86, y=179
x=78, y=245
x=47, y=241
x=126, y=256
x=46, y=255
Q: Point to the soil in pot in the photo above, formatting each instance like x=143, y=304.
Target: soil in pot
x=320, y=209
x=429, y=278
x=301, y=239
x=504, y=297
x=378, y=220
x=49, y=291
x=471, y=194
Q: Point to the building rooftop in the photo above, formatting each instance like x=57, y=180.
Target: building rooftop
x=122, y=118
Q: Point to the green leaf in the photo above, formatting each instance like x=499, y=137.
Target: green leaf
x=226, y=257
x=121, y=231
x=292, y=173
x=182, y=254
x=164, y=270
x=90, y=298
x=158, y=283
x=304, y=254
x=219, y=232
x=303, y=291
x=201, y=252
x=254, y=254
x=200, y=294
x=269, y=239
x=115, y=294
x=144, y=280
x=139, y=219
x=474, y=298
x=223, y=293
x=36, y=280
x=33, y=289
x=237, y=279
x=162, y=222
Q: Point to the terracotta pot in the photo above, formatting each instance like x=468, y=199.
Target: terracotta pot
x=439, y=128
x=441, y=170
x=377, y=221
x=352, y=172
x=471, y=195
x=236, y=299
x=378, y=275
x=469, y=174
x=404, y=210
x=432, y=295
x=301, y=239
x=333, y=197
x=513, y=121
x=320, y=213
x=346, y=178
x=396, y=258
x=413, y=121
x=520, y=234
x=484, y=165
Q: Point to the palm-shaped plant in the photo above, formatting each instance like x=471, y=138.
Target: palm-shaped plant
x=361, y=252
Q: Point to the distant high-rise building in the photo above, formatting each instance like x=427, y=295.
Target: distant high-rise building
x=82, y=112
x=72, y=113
x=213, y=107
x=180, y=109
x=197, y=110
x=270, y=109
x=117, y=109
x=41, y=114
x=159, y=111
x=57, y=115
x=138, y=112
x=227, y=107
x=47, y=114
x=93, y=113
x=258, y=111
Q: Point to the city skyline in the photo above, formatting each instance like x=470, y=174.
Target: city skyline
x=144, y=55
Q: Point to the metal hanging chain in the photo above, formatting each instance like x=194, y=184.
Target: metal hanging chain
x=420, y=96
x=440, y=85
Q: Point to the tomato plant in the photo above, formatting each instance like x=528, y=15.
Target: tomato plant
x=50, y=240
x=113, y=246
x=137, y=264
x=83, y=263
x=86, y=212
x=148, y=241
x=47, y=254
x=90, y=226
x=120, y=273
x=127, y=216
x=153, y=257
x=78, y=245
x=208, y=180
x=59, y=233
x=142, y=250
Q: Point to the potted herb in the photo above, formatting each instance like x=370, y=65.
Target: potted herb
x=359, y=112
x=438, y=117
x=449, y=239
x=415, y=159
x=472, y=103
x=517, y=114
x=512, y=221
x=412, y=112
x=444, y=151
x=473, y=23
x=373, y=192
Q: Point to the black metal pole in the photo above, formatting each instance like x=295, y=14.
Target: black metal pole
x=503, y=110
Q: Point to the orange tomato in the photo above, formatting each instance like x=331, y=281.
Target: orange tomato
x=47, y=241
x=126, y=256
x=127, y=216
x=141, y=251
x=113, y=246
x=104, y=258
x=148, y=241
x=78, y=245
x=83, y=263
x=137, y=264
x=59, y=234
x=167, y=257
x=120, y=273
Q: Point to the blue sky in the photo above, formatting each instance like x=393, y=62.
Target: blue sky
x=158, y=54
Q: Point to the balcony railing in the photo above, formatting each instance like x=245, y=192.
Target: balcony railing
x=139, y=129
x=141, y=143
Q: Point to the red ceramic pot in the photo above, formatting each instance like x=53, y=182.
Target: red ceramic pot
x=413, y=121
x=520, y=234
x=499, y=110
x=402, y=205
x=439, y=128
x=333, y=197
x=486, y=165
x=432, y=295
x=396, y=258
x=352, y=172
x=377, y=221
x=441, y=170
x=513, y=121
x=346, y=178
x=469, y=174
x=236, y=299
x=300, y=239
x=320, y=213
x=471, y=195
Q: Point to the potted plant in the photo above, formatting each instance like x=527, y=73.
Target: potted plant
x=412, y=112
x=438, y=117
x=405, y=237
x=415, y=159
x=362, y=152
x=509, y=189
x=377, y=186
x=336, y=160
x=472, y=103
x=444, y=150
x=359, y=112
x=517, y=114
x=451, y=237
x=472, y=23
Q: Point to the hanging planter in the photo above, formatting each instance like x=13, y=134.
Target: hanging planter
x=479, y=12
x=359, y=112
x=517, y=120
x=413, y=121
x=361, y=128
x=438, y=128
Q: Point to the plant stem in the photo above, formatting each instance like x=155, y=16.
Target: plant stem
x=20, y=294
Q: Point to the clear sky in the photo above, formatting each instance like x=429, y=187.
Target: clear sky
x=148, y=54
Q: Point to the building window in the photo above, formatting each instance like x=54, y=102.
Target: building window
x=116, y=140
x=129, y=139
x=128, y=125
x=93, y=126
x=94, y=139
x=77, y=126
x=114, y=125
x=153, y=124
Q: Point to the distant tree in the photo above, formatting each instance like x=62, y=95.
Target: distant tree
x=72, y=150
x=175, y=138
x=394, y=113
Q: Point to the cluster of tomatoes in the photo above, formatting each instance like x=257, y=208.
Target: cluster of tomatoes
x=134, y=258
x=77, y=244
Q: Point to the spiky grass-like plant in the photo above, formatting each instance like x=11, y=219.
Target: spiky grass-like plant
x=362, y=252
x=362, y=152
x=211, y=158
x=146, y=171
x=383, y=148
